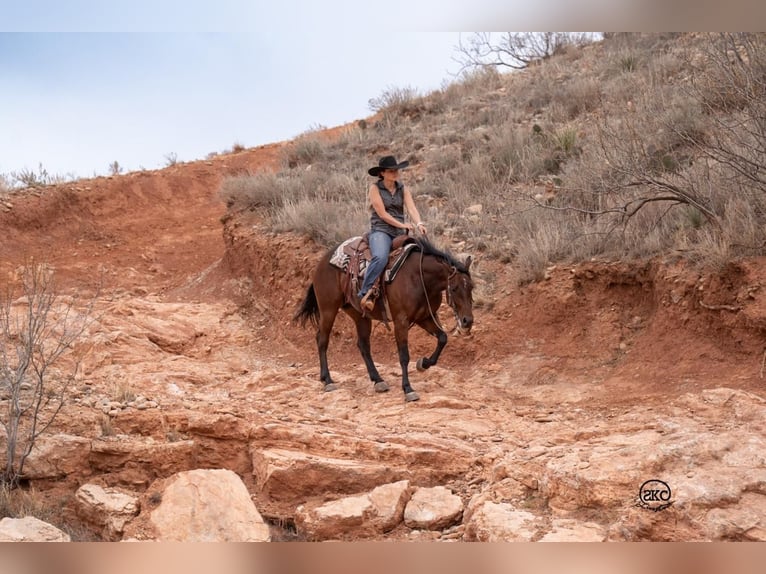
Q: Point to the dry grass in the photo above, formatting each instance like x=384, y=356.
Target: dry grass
x=19, y=503
x=122, y=392
x=623, y=127
x=105, y=424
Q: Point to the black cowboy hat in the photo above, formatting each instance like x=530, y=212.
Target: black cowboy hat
x=386, y=162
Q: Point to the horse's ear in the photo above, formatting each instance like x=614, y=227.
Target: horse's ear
x=468, y=263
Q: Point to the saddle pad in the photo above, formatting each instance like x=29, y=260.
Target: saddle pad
x=340, y=256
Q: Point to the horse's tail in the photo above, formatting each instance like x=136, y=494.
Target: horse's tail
x=309, y=309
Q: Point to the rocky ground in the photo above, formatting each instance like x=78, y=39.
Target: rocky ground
x=542, y=425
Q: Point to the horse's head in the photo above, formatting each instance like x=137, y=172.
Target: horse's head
x=460, y=296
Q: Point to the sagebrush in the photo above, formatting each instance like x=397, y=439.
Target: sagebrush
x=640, y=145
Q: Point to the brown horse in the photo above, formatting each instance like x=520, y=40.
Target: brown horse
x=414, y=296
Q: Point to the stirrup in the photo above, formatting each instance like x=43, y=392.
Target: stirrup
x=368, y=301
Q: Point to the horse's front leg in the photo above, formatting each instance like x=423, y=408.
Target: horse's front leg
x=401, y=331
x=430, y=327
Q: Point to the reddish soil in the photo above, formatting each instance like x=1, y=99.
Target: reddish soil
x=641, y=329
x=612, y=334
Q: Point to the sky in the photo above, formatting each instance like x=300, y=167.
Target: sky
x=76, y=102
x=85, y=83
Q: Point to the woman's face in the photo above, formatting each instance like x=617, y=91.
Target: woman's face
x=390, y=174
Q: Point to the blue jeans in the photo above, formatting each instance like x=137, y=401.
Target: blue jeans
x=380, y=247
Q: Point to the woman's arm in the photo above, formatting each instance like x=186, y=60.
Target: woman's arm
x=377, y=204
x=412, y=211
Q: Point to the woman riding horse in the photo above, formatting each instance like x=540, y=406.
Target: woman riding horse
x=388, y=199
x=413, y=298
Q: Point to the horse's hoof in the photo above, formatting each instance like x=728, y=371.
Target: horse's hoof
x=381, y=387
x=330, y=387
x=419, y=365
x=411, y=396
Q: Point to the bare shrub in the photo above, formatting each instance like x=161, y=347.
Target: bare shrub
x=340, y=186
x=515, y=50
x=539, y=237
x=395, y=104
x=480, y=80
x=123, y=392
x=445, y=159
x=37, y=333
x=358, y=135
x=664, y=68
x=105, y=424
x=21, y=503
x=665, y=153
x=639, y=42
x=330, y=209
x=305, y=150
x=260, y=190
x=31, y=178
x=39, y=178
x=326, y=221
x=734, y=82
x=647, y=170
x=578, y=97
x=394, y=100
x=517, y=154
x=647, y=148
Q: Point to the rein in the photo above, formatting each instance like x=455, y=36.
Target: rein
x=451, y=274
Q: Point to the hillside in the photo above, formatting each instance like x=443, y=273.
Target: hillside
x=570, y=392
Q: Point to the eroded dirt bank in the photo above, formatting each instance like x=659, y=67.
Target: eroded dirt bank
x=568, y=395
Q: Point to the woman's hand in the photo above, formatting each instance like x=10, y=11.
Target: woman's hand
x=419, y=226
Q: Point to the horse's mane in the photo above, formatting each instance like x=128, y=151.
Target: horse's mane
x=429, y=248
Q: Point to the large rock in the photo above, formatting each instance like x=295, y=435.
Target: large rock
x=389, y=502
x=745, y=520
x=30, y=529
x=58, y=456
x=107, y=509
x=567, y=530
x=207, y=506
x=335, y=519
x=292, y=476
x=708, y=448
x=364, y=515
x=433, y=508
x=604, y=474
x=705, y=467
x=139, y=460
x=500, y=522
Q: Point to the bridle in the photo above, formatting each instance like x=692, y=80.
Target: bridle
x=450, y=300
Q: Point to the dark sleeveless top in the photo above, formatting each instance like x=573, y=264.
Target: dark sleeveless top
x=394, y=204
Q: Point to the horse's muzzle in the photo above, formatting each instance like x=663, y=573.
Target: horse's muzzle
x=464, y=325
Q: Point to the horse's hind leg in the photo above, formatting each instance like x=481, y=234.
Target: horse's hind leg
x=432, y=328
x=363, y=329
x=326, y=320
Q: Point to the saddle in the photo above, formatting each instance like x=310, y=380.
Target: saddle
x=353, y=257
